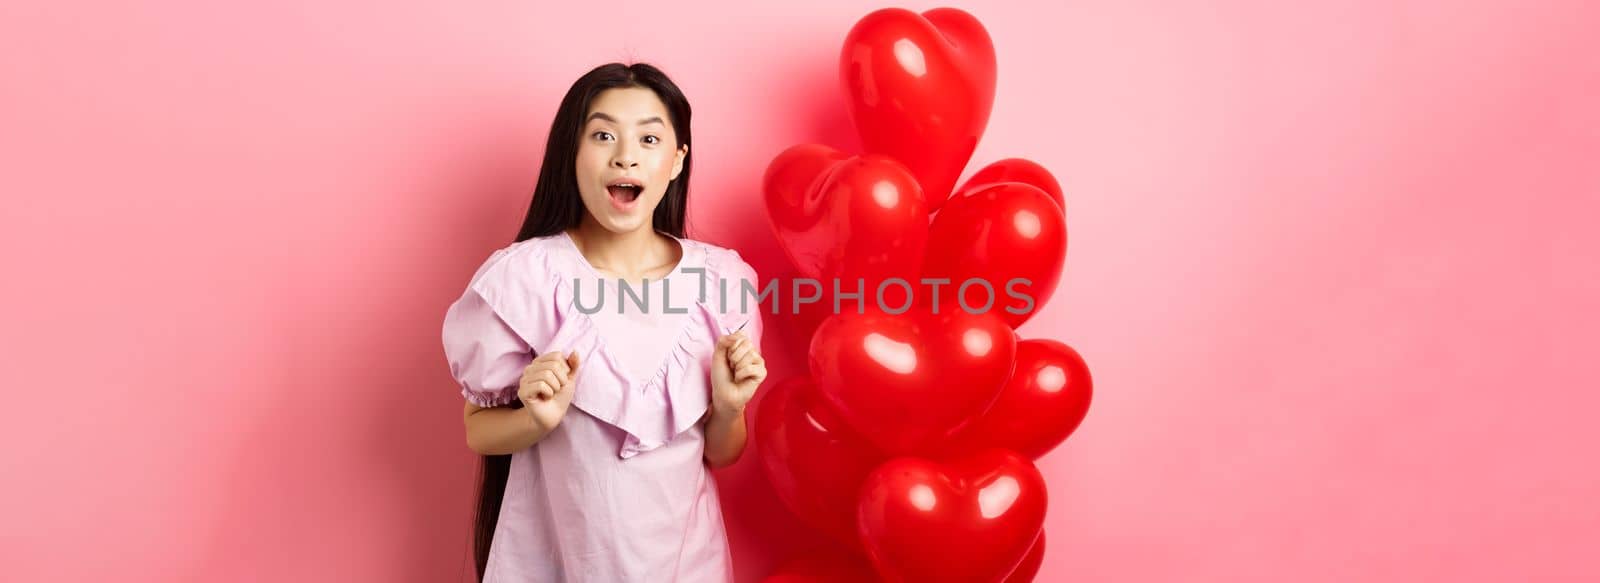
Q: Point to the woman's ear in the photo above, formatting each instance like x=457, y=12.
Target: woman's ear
x=677, y=162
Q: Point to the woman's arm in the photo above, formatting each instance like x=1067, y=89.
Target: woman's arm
x=725, y=436
x=501, y=430
x=736, y=370
x=545, y=391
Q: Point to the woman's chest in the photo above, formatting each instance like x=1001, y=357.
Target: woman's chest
x=642, y=325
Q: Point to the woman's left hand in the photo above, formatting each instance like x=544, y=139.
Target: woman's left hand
x=736, y=370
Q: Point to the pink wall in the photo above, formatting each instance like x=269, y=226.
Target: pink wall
x=1326, y=266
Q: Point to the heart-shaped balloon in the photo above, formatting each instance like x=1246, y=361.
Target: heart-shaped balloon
x=806, y=317
x=846, y=218
x=1016, y=170
x=1041, y=405
x=813, y=461
x=920, y=88
x=1029, y=567
x=1002, y=247
x=908, y=381
x=805, y=302
x=971, y=519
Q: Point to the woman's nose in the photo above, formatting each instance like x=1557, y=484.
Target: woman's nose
x=623, y=159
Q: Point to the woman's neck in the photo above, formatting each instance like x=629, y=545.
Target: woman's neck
x=632, y=256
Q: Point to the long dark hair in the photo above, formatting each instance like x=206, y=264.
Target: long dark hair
x=557, y=206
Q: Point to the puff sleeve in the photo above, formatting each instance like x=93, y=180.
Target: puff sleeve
x=486, y=358
x=497, y=326
x=741, y=305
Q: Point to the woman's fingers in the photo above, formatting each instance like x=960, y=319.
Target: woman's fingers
x=748, y=355
x=750, y=371
x=535, y=391
x=740, y=352
x=564, y=365
x=544, y=384
x=557, y=361
x=550, y=360
x=550, y=374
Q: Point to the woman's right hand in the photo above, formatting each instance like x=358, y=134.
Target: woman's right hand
x=546, y=388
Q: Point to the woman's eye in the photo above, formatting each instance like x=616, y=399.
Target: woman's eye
x=652, y=139
x=602, y=135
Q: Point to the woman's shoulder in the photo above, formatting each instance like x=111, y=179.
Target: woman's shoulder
x=521, y=262
x=723, y=261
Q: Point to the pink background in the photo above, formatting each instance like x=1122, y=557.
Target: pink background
x=1328, y=266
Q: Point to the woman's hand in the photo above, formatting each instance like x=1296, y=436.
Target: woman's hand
x=546, y=388
x=736, y=370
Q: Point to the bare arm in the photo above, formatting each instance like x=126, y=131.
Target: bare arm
x=501, y=430
x=736, y=370
x=725, y=436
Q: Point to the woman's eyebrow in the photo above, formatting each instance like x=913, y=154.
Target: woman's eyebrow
x=601, y=116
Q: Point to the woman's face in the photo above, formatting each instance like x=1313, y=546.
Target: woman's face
x=627, y=139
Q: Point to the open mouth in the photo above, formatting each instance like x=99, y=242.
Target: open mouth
x=624, y=192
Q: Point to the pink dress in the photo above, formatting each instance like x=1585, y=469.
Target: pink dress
x=619, y=491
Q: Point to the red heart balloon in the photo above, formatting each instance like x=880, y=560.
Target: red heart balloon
x=814, y=463
x=790, y=177
x=1029, y=567
x=995, y=235
x=1016, y=170
x=803, y=318
x=823, y=567
x=920, y=90
x=971, y=519
x=1041, y=405
x=806, y=317
x=846, y=218
x=910, y=380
